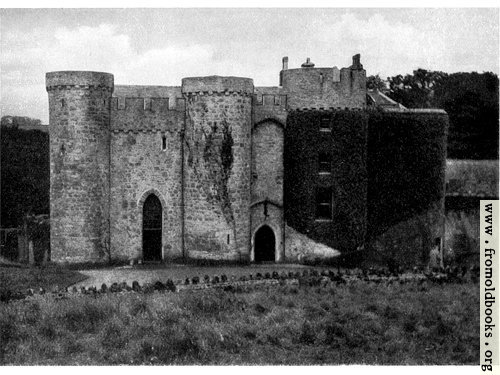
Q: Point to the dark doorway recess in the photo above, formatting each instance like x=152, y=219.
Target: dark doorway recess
x=151, y=229
x=265, y=245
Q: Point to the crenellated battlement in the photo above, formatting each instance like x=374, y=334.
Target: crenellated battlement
x=309, y=86
x=147, y=105
x=79, y=87
x=217, y=85
x=261, y=99
x=305, y=109
x=193, y=95
x=84, y=80
x=141, y=114
x=145, y=131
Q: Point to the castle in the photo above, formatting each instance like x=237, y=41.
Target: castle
x=218, y=168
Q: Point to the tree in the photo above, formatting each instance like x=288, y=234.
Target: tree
x=25, y=172
x=375, y=83
x=470, y=99
x=415, y=90
x=19, y=121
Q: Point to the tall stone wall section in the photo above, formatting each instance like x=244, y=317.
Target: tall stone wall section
x=79, y=165
x=267, y=182
x=217, y=167
x=146, y=158
x=267, y=162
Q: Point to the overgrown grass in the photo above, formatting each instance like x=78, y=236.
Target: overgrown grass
x=346, y=324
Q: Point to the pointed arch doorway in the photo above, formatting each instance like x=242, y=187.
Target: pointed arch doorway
x=152, y=217
x=265, y=245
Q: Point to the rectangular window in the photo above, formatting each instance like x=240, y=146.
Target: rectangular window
x=324, y=125
x=324, y=203
x=163, y=143
x=324, y=163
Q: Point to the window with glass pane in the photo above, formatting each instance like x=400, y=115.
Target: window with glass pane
x=324, y=163
x=324, y=125
x=324, y=203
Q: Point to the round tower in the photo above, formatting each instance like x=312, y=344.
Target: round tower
x=217, y=166
x=79, y=120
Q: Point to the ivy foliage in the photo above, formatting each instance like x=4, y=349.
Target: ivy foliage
x=406, y=166
x=346, y=144
x=386, y=168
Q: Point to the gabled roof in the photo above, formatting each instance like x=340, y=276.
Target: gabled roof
x=379, y=99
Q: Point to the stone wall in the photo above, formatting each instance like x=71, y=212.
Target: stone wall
x=140, y=167
x=217, y=167
x=324, y=87
x=267, y=161
x=79, y=165
x=267, y=182
x=269, y=103
x=172, y=93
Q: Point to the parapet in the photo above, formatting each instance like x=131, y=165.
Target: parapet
x=147, y=105
x=309, y=86
x=79, y=79
x=270, y=100
x=146, y=114
x=217, y=84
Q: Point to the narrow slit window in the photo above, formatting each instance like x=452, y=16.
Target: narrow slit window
x=228, y=239
x=324, y=163
x=163, y=142
x=324, y=125
x=324, y=203
x=63, y=103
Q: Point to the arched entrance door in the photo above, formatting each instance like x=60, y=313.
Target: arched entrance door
x=264, y=245
x=151, y=228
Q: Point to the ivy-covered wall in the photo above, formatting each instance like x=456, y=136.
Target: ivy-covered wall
x=406, y=165
x=406, y=186
x=387, y=178
x=346, y=144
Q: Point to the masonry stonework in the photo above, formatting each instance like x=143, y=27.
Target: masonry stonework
x=217, y=154
x=212, y=152
x=79, y=164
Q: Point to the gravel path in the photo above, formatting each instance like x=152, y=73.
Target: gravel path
x=145, y=274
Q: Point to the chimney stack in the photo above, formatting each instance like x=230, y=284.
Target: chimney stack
x=356, y=62
x=285, y=63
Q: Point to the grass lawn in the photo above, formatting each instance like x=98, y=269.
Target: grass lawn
x=359, y=323
x=20, y=279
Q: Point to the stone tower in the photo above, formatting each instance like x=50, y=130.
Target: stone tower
x=79, y=164
x=217, y=159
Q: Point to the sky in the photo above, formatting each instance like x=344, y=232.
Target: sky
x=161, y=46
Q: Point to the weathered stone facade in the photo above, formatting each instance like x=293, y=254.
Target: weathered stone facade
x=210, y=151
